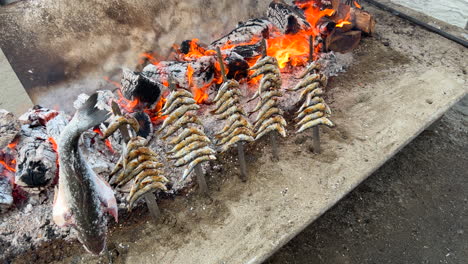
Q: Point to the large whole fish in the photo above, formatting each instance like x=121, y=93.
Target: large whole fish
x=83, y=198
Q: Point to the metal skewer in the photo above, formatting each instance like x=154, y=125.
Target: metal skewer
x=240, y=145
x=273, y=139
x=316, y=129
x=150, y=198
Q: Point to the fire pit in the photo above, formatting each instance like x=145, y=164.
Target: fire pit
x=295, y=193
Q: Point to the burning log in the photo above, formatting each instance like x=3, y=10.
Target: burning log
x=201, y=71
x=362, y=20
x=245, y=32
x=9, y=128
x=37, y=155
x=136, y=86
x=289, y=19
x=343, y=42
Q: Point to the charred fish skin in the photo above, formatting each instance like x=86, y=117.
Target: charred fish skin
x=81, y=193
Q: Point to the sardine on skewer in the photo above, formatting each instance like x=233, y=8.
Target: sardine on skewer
x=189, y=148
x=316, y=122
x=133, y=171
x=310, y=117
x=314, y=66
x=266, y=69
x=189, y=140
x=195, y=162
x=193, y=155
x=242, y=122
x=266, y=97
x=309, y=88
x=236, y=132
x=272, y=103
x=235, y=140
x=273, y=111
x=310, y=101
x=141, y=179
x=182, y=122
x=185, y=134
x=273, y=127
x=318, y=107
x=274, y=79
x=231, y=101
x=229, y=94
x=177, y=103
x=174, y=96
x=316, y=92
x=147, y=188
x=226, y=86
x=276, y=119
x=306, y=81
x=267, y=60
x=120, y=121
x=177, y=114
x=137, y=152
x=230, y=111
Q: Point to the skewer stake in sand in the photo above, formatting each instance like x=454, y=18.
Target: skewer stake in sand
x=201, y=179
x=240, y=145
x=316, y=129
x=273, y=138
x=150, y=199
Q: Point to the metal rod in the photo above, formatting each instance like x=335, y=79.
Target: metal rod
x=201, y=179
x=311, y=48
x=243, y=165
x=152, y=205
x=264, y=48
x=316, y=138
x=395, y=12
x=274, y=146
x=221, y=63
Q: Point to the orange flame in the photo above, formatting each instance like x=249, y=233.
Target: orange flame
x=200, y=94
x=357, y=5
x=106, y=141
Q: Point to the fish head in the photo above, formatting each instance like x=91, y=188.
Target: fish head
x=93, y=244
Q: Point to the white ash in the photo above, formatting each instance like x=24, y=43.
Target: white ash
x=38, y=227
x=9, y=127
x=6, y=196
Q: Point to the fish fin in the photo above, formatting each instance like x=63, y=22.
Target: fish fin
x=61, y=213
x=106, y=196
x=90, y=113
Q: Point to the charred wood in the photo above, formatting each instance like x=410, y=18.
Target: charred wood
x=362, y=20
x=288, y=19
x=138, y=86
x=343, y=42
x=9, y=127
x=37, y=159
x=251, y=29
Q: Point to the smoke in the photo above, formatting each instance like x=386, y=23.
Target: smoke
x=52, y=44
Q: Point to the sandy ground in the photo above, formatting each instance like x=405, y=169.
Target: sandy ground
x=412, y=210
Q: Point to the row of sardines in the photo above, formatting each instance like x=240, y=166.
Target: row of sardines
x=184, y=131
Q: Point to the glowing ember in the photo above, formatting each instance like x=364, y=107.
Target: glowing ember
x=357, y=5
x=8, y=167
x=200, y=94
x=107, y=141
